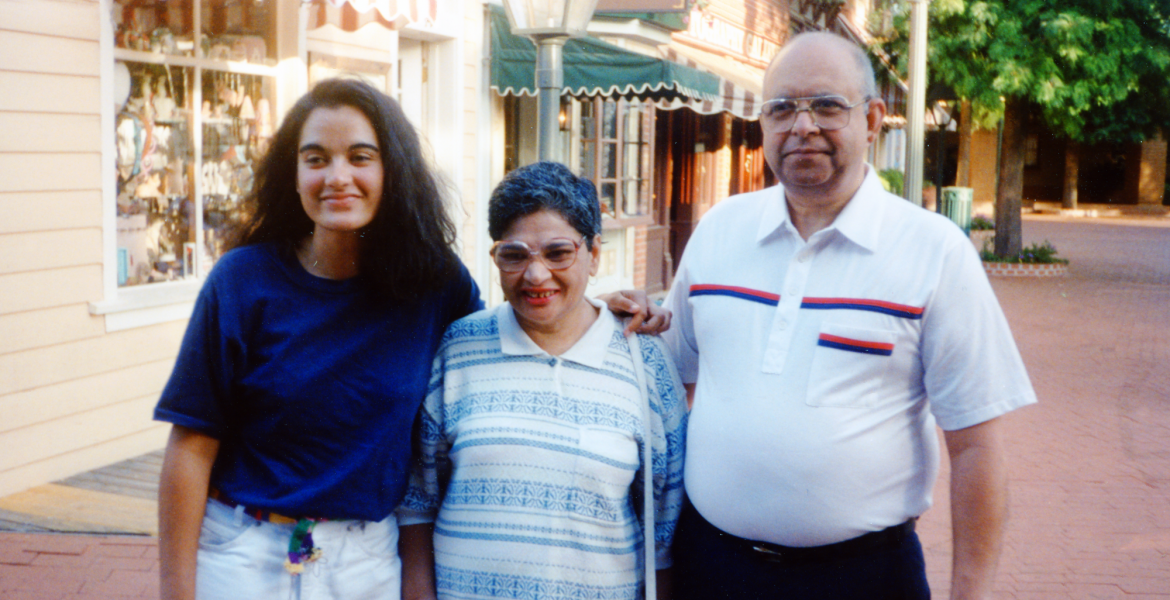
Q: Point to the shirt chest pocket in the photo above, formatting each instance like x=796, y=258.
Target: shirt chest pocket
x=849, y=366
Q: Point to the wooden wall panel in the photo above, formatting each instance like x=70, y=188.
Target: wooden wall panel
x=25, y=370
x=76, y=431
x=53, y=468
x=51, y=402
x=23, y=252
x=32, y=53
x=49, y=211
x=46, y=289
x=45, y=132
x=39, y=92
x=36, y=329
x=71, y=19
x=48, y=172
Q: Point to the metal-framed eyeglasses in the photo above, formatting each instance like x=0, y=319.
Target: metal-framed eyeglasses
x=828, y=112
x=556, y=254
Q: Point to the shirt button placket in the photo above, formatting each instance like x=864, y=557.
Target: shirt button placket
x=787, y=311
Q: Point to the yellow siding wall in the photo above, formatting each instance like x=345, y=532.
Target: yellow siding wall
x=71, y=396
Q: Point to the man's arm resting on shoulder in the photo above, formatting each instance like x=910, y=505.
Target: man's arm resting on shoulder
x=979, y=507
x=646, y=317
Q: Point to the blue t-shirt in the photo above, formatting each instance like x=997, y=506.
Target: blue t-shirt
x=309, y=385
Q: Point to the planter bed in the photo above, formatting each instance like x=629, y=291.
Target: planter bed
x=1025, y=269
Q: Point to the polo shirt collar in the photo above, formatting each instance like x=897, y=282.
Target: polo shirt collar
x=858, y=221
x=590, y=350
x=775, y=214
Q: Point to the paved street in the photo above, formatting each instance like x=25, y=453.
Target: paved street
x=1090, y=465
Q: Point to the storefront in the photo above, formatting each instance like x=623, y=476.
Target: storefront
x=608, y=118
x=137, y=129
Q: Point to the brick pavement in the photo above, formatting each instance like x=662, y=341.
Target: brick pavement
x=1090, y=464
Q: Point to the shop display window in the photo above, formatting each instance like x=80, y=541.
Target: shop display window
x=189, y=133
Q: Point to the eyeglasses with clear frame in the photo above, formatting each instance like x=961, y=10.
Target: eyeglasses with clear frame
x=556, y=254
x=829, y=113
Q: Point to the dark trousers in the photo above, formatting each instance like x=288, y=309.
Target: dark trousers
x=710, y=564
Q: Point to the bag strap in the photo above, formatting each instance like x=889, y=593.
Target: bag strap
x=651, y=584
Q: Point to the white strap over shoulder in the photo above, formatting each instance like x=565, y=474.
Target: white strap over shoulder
x=647, y=471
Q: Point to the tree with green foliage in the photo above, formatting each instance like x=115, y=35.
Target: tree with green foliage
x=1090, y=70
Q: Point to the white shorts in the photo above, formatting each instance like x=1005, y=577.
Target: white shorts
x=241, y=557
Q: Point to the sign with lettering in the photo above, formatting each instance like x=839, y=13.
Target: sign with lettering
x=718, y=32
x=641, y=6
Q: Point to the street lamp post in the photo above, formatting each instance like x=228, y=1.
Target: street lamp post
x=549, y=23
x=916, y=105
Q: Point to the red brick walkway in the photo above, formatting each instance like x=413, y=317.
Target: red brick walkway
x=40, y=566
x=1090, y=465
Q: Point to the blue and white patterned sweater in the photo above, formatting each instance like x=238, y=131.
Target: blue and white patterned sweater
x=530, y=464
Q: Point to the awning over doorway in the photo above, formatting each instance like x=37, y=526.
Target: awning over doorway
x=594, y=68
x=351, y=15
x=740, y=86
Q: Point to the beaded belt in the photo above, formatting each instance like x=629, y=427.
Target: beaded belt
x=300, y=546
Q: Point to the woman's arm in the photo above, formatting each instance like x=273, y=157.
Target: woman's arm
x=416, y=546
x=182, y=496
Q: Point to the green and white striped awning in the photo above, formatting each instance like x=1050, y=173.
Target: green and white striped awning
x=593, y=68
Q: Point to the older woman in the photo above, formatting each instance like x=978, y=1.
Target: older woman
x=529, y=463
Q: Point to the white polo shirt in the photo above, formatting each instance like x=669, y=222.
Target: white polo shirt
x=821, y=368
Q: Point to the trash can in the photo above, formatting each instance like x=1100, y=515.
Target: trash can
x=955, y=205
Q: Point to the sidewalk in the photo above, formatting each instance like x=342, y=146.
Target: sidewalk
x=1090, y=465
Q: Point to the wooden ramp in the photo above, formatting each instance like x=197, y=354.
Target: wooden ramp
x=120, y=498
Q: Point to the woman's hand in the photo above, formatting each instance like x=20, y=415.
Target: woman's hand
x=645, y=316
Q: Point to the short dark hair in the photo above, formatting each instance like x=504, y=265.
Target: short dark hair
x=406, y=250
x=545, y=185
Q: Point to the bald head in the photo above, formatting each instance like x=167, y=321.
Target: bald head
x=820, y=42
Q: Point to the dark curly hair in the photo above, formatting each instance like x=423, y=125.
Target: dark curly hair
x=406, y=250
x=545, y=185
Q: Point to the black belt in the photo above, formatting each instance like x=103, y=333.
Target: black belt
x=890, y=536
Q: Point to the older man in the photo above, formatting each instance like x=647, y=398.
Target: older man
x=825, y=327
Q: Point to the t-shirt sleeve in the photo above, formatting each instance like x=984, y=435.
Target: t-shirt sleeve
x=195, y=394
x=973, y=370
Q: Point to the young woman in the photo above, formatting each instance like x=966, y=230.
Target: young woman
x=304, y=363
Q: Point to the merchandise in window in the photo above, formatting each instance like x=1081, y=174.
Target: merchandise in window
x=236, y=30
x=192, y=122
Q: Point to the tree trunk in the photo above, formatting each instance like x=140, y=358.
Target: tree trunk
x=1011, y=179
x=1072, y=163
x=963, y=177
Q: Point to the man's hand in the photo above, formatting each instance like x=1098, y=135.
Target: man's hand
x=645, y=316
